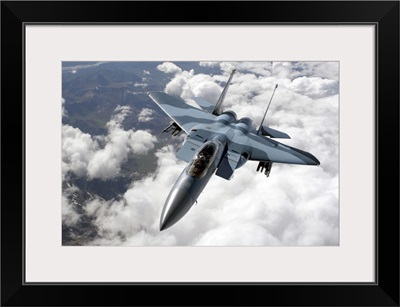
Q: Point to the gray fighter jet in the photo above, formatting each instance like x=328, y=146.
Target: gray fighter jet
x=217, y=142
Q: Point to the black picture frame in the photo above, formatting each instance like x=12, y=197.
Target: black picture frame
x=383, y=14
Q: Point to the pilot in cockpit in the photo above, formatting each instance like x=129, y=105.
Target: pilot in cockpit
x=202, y=161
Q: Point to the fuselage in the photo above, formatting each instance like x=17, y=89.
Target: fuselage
x=230, y=143
x=226, y=132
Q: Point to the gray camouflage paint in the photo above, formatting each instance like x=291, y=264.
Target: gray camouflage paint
x=240, y=136
x=187, y=189
x=239, y=142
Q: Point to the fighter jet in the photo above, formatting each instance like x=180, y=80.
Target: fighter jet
x=217, y=142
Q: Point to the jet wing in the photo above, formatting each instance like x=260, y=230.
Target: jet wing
x=204, y=104
x=180, y=112
x=263, y=149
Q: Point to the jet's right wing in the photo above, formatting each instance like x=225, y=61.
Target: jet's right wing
x=180, y=112
x=264, y=149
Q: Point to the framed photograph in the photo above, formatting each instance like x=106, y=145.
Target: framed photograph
x=253, y=150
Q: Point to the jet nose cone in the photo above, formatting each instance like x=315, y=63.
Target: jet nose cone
x=164, y=225
x=176, y=206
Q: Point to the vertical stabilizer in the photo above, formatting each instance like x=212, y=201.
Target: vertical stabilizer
x=259, y=129
x=218, y=107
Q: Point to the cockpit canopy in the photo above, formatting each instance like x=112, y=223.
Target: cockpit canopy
x=202, y=161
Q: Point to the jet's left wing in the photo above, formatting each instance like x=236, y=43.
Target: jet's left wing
x=180, y=112
x=204, y=104
x=263, y=149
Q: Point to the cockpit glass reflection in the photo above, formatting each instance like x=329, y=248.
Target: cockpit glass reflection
x=201, y=162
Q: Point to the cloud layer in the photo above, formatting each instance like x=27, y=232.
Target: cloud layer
x=295, y=206
x=145, y=115
x=102, y=157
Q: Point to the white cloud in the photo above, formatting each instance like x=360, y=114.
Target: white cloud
x=134, y=219
x=208, y=64
x=145, y=115
x=141, y=142
x=102, y=157
x=227, y=67
x=325, y=70
x=292, y=207
x=106, y=163
x=226, y=234
x=315, y=87
x=203, y=86
x=64, y=112
x=259, y=68
x=169, y=68
x=69, y=216
x=284, y=205
x=78, y=149
x=179, y=86
x=296, y=205
x=142, y=85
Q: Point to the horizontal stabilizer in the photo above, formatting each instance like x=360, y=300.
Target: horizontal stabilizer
x=204, y=104
x=274, y=133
